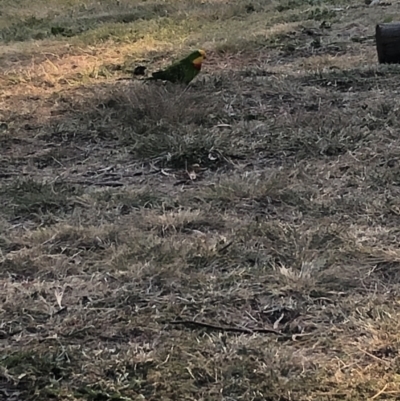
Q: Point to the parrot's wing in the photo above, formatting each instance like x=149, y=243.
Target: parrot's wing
x=177, y=72
x=174, y=73
x=182, y=71
x=190, y=73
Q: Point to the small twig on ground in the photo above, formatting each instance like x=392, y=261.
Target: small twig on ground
x=193, y=323
x=98, y=183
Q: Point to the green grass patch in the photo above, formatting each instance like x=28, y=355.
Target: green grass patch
x=33, y=199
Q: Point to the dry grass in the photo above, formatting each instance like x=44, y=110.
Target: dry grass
x=233, y=240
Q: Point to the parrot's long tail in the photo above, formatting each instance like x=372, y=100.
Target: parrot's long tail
x=148, y=79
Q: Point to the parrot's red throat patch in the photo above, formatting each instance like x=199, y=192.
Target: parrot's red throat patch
x=197, y=66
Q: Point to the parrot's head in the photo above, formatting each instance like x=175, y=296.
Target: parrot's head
x=196, y=58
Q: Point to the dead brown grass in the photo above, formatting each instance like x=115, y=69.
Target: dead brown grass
x=233, y=240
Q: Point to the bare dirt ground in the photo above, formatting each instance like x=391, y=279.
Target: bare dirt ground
x=234, y=240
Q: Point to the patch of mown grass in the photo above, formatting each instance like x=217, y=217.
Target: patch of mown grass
x=99, y=24
x=38, y=373
x=148, y=23
x=128, y=201
x=236, y=190
x=95, y=393
x=22, y=268
x=181, y=149
x=54, y=157
x=31, y=28
x=33, y=199
x=344, y=80
x=173, y=126
x=287, y=5
x=155, y=104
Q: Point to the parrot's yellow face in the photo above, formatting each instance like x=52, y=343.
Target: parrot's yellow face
x=198, y=60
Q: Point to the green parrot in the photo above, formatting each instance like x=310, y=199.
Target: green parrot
x=182, y=71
